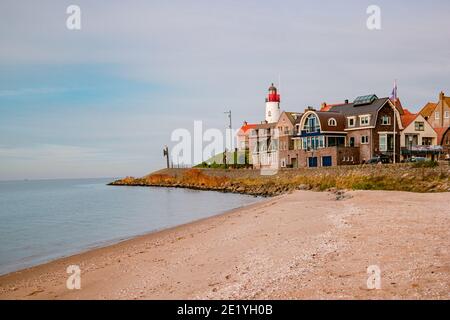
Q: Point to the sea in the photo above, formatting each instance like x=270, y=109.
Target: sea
x=42, y=220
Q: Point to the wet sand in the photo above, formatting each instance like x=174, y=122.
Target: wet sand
x=303, y=245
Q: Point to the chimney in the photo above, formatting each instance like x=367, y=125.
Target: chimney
x=323, y=106
x=346, y=101
x=441, y=96
x=309, y=108
x=245, y=123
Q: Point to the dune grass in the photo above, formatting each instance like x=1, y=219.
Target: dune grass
x=389, y=177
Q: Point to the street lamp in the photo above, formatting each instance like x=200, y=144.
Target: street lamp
x=166, y=154
x=231, y=131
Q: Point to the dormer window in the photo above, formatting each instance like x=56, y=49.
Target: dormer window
x=364, y=120
x=351, y=121
x=332, y=122
x=311, y=124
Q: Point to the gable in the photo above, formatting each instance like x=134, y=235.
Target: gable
x=285, y=120
x=391, y=112
x=428, y=129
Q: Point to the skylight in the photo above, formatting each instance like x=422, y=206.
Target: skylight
x=365, y=99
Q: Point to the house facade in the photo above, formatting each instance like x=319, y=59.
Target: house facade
x=373, y=125
x=287, y=128
x=320, y=140
x=243, y=136
x=445, y=143
x=263, y=144
x=438, y=114
x=418, y=138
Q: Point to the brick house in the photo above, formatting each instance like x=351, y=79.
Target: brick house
x=444, y=141
x=320, y=140
x=369, y=123
x=437, y=114
x=286, y=127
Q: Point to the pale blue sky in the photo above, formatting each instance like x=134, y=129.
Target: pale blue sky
x=103, y=101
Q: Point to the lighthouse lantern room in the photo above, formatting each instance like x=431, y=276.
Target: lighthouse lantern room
x=272, y=105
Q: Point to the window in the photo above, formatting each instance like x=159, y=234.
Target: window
x=447, y=114
x=436, y=115
x=419, y=126
x=427, y=141
x=383, y=142
x=364, y=120
x=311, y=124
x=364, y=139
x=332, y=122
x=321, y=141
x=351, y=121
x=386, y=120
x=269, y=114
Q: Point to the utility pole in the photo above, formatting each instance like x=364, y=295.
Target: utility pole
x=166, y=154
x=395, y=135
x=230, y=127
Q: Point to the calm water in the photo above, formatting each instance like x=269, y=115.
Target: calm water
x=44, y=220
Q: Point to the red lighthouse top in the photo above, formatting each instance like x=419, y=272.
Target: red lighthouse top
x=273, y=96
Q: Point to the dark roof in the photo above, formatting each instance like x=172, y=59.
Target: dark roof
x=265, y=125
x=294, y=117
x=325, y=116
x=349, y=109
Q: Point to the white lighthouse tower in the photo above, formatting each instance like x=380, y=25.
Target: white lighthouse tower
x=272, y=105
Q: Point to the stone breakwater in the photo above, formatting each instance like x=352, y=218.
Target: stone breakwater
x=400, y=177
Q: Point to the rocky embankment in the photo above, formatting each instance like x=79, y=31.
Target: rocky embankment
x=401, y=177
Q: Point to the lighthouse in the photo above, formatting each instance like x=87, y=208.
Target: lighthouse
x=272, y=105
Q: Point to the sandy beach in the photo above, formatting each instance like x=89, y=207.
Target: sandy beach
x=302, y=245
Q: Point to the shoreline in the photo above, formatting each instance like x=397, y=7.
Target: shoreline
x=302, y=245
x=117, y=241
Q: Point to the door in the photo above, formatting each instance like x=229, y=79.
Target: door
x=294, y=163
x=312, y=162
x=352, y=142
x=326, y=161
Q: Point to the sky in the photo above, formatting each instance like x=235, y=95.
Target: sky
x=102, y=101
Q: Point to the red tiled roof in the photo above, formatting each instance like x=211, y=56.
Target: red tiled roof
x=327, y=106
x=428, y=109
x=408, y=117
x=247, y=127
x=398, y=104
x=440, y=134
